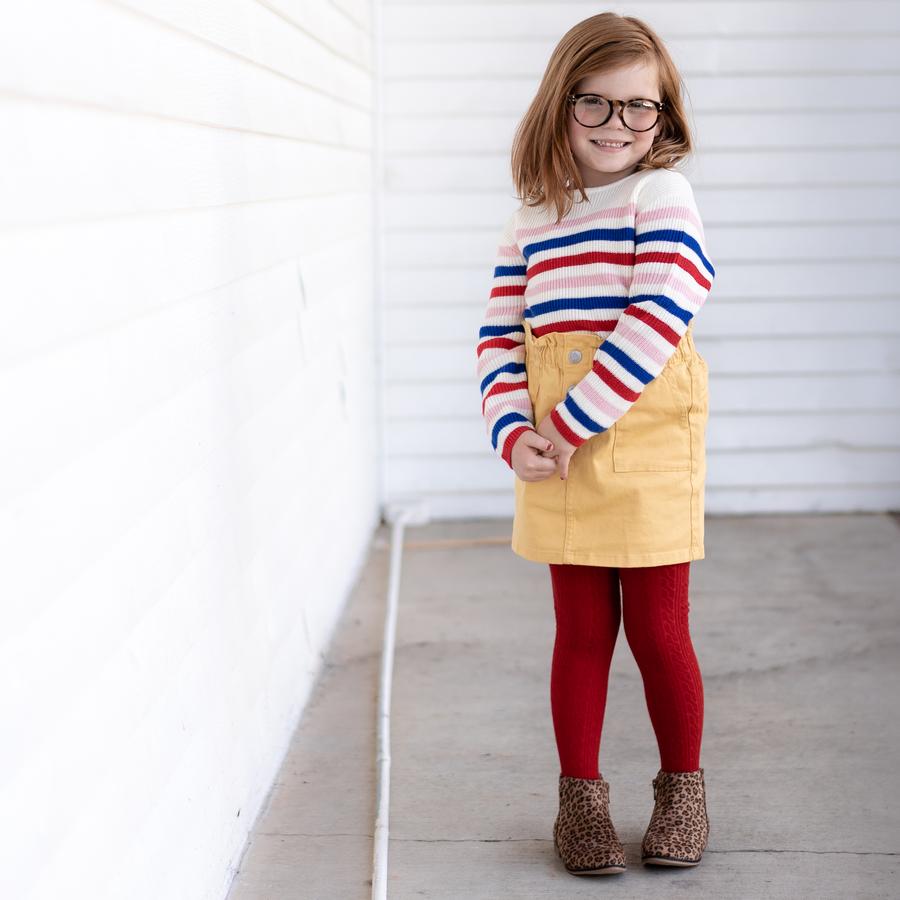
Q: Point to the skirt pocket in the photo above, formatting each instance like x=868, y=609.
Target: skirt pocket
x=655, y=434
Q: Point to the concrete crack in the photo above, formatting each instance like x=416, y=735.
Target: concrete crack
x=549, y=840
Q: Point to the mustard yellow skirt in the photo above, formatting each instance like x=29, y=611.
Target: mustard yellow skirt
x=635, y=492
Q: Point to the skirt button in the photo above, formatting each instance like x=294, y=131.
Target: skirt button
x=574, y=356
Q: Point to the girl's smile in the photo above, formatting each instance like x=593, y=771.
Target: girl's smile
x=610, y=147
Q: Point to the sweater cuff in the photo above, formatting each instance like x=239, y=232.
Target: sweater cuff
x=511, y=439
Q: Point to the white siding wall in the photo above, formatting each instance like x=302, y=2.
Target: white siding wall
x=800, y=198
x=187, y=420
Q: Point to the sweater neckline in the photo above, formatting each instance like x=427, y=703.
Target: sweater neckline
x=607, y=187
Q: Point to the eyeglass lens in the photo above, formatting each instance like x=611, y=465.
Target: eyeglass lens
x=639, y=114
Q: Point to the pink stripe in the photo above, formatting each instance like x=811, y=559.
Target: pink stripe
x=508, y=250
x=645, y=277
x=577, y=223
x=490, y=354
x=667, y=212
x=643, y=343
x=489, y=358
x=496, y=360
x=511, y=400
x=500, y=307
x=542, y=283
x=599, y=402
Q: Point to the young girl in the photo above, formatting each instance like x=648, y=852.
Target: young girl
x=596, y=397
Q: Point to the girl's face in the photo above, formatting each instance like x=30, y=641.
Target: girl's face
x=598, y=165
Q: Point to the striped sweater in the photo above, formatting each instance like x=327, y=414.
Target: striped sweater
x=630, y=265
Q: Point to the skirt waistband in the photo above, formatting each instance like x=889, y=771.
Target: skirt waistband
x=567, y=340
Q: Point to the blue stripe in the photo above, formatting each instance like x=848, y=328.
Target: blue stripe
x=593, y=304
x=580, y=417
x=591, y=234
x=501, y=271
x=670, y=235
x=512, y=368
x=503, y=421
x=499, y=330
x=624, y=360
x=666, y=303
x=589, y=304
x=677, y=236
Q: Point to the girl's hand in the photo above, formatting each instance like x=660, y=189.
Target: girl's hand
x=529, y=457
x=564, y=450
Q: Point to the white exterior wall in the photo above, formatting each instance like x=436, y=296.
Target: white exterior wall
x=802, y=326
x=188, y=434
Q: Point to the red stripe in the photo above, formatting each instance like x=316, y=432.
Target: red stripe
x=508, y=290
x=695, y=273
x=580, y=259
x=564, y=429
x=512, y=437
x=500, y=343
x=607, y=377
x=576, y=325
x=678, y=259
x=503, y=387
x=662, y=328
x=650, y=256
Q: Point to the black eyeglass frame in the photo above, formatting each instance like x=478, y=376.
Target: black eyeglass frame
x=659, y=104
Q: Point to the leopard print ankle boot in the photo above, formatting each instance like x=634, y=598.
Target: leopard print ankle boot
x=679, y=827
x=583, y=833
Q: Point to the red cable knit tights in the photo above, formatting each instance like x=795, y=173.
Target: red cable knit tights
x=654, y=607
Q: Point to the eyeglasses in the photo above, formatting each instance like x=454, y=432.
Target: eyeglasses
x=592, y=110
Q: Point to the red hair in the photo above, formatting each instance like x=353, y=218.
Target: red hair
x=543, y=167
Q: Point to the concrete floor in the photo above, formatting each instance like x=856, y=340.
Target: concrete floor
x=796, y=624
